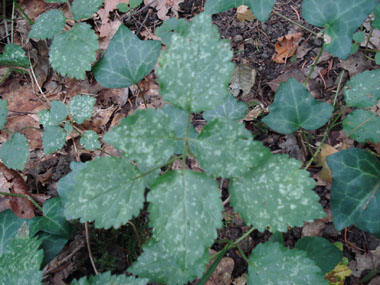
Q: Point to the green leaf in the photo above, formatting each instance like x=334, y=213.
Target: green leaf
x=362, y=126
x=72, y=52
x=58, y=111
x=355, y=194
x=225, y=148
x=68, y=127
x=52, y=246
x=15, y=56
x=201, y=65
x=146, y=137
x=170, y=27
x=53, y=139
x=231, y=109
x=85, y=8
x=277, y=194
x=107, y=278
x=376, y=22
x=363, y=90
x=294, y=107
x=358, y=37
x=45, y=118
x=108, y=191
x=3, y=113
x=325, y=255
x=127, y=60
x=15, y=152
x=21, y=260
x=48, y=25
x=339, y=23
x=260, y=8
x=148, y=178
x=90, y=140
x=272, y=263
x=81, y=107
x=185, y=211
x=123, y=7
x=377, y=58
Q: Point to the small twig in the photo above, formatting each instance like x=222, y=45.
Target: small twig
x=89, y=248
x=298, y=14
x=13, y=19
x=137, y=235
x=143, y=23
x=295, y=23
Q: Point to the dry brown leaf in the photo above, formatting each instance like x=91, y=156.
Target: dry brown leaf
x=286, y=46
x=163, y=7
x=320, y=161
x=244, y=14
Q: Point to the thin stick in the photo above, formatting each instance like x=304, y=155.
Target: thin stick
x=295, y=23
x=5, y=21
x=89, y=248
x=12, y=21
x=137, y=235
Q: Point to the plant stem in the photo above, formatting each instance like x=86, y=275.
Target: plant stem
x=23, y=196
x=13, y=19
x=242, y=253
x=295, y=23
x=306, y=139
x=89, y=248
x=5, y=76
x=22, y=12
x=314, y=65
x=158, y=167
x=185, y=151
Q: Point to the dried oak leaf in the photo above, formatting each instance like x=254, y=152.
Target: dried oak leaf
x=163, y=7
x=244, y=14
x=285, y=47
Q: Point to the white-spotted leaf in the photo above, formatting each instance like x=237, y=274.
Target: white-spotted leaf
x=68, y=127
x=58, y=112
x=107, y=278
x=53, y=139
x=3, y=113
x=170, y=27
x=14, y=152
x=81, y=107
x=14, y=56
x=90, y=140
x=48, y=25
x=85, y=8
x=231, y=109
x=362, y=126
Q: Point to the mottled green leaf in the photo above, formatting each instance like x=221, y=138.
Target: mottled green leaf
x=170, y=27
x=355, y=193
x=72, y=52
x=81, y=107
x=85, y=8
x=196, y=68
x=53, y=139
x=185, y=211
x=14, y=152
x=277, y=194
x=272, y=263
x=45, y=118
x=325, y=255
x=107, y=278
x=146, y=137
x=127, y=60
x=294, y=107
x=48, y=25
x=108, y=191
x=260, y=8
x=362, y=126
x=68, y=127
x=225, y=148
x=340, y=19
x=58, y=111
x=363, y=90
x=90, y=140
x=14, y=56
x=3, y=113
x=231, y=109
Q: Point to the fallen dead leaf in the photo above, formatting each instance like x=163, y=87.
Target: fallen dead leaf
x=286, y=46
x=243, y=13
x=320, y=161
x=368, y=261
x=243, y=78
x=163, y=7
x=338, y=274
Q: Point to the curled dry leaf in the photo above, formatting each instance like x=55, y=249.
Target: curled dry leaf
x=244, y=14
x=286, y=46
x=320, y=161
x=163, y=7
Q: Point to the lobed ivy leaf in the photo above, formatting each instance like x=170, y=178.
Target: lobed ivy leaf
x=260, y=8
x=277, y=194
x=15, y=152
x=340, y=19
x=3, y=113
x=294, y=107
x=72, y=52
x=90, y=140
x=51, y=245
x=107, y=278
x=185, y=211
x=48, y=25
x=53, y=139
x=108, y=191
x=81, y=107
x=201, y=65
x=355, y=194
x=146, y=137
x=272, y=263
x=362, y=126
x=127, y=60
x=170, y=27
x=85, y=8
x=363, y=90
x=231, y=109
x=225, y=148
x=14, y=56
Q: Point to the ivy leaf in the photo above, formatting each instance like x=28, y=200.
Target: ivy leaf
x=85, y=8
x=53, y=139
x=339, y=23
x=231, y=109
x=81, y=107
x=127, y=60
x=376, y=22
x=362, y=126
x=3, y=113
x=107, y=278
x=15, y=152
x=363, y=90
x=52, y=246
x=90, y=140
x=108, y=191
x=277, y=194
x=48, y=25
x=200, y=63
x=294, y=107
x=72, y=52
x=272, y=263
x=185, y=211
x=225, y=148
x=260, y=8
x=355, y=194
x=325, y=255
x=170, y=27
x=146, y=137
x=15, y=56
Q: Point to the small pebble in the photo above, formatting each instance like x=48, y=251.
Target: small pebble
x=238, y=38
